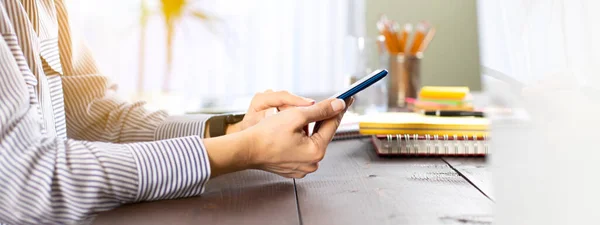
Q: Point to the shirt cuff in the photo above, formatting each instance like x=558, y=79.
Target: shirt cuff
x=182, y=126
x=173, y=168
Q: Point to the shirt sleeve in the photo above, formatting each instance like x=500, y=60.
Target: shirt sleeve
x=50, y=180
x=93, y=113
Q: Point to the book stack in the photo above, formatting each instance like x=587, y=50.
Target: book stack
x=415, y=134
x=442, y=98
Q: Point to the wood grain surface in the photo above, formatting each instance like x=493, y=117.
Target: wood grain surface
x=475, y=170
x=354, y=186
x=249, y=197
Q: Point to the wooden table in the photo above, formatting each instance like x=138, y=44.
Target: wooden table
x=352, y=186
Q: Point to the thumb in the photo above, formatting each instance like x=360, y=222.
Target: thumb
x=323, y=110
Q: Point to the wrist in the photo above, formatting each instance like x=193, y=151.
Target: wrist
x=252, y=142
x=233, y=128
x=229, y=153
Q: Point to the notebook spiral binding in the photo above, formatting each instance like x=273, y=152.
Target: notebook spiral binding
x=348, y=135
x=406, y=144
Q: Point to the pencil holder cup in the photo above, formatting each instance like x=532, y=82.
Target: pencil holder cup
x=404, y=79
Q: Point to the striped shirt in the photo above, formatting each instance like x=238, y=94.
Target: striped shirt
x=68, y=148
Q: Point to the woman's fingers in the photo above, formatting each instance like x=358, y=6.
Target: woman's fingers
x=269, y=99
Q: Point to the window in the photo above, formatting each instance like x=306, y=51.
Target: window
x=252, y=46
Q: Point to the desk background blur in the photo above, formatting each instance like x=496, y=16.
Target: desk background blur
x=453, y=57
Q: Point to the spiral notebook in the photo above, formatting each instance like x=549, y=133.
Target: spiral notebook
x=428, y=145
x=396, y=134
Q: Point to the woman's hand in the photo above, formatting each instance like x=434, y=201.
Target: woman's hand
x=279, y=143
x=266, y=104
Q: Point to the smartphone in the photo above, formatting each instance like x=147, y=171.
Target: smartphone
x=361, y=84
x=358, y=86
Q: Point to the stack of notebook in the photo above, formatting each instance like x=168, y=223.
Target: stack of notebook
x=398, y=133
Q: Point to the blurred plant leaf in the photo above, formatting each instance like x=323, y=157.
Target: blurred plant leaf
x=173, y=12
x=200, y=15
x=203, y=17
x=144, y=13
x=172, y=9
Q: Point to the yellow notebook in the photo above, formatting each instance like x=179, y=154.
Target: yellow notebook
x=406, y=123
x=442, y=92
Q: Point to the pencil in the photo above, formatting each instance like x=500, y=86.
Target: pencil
x=404, y=37
x=394, y=27
x=383, y=32
x=427, y=40
x=389, y=37
x=422, y=28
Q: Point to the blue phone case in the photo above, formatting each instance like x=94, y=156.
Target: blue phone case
x=362, y=84
x=357, y=87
